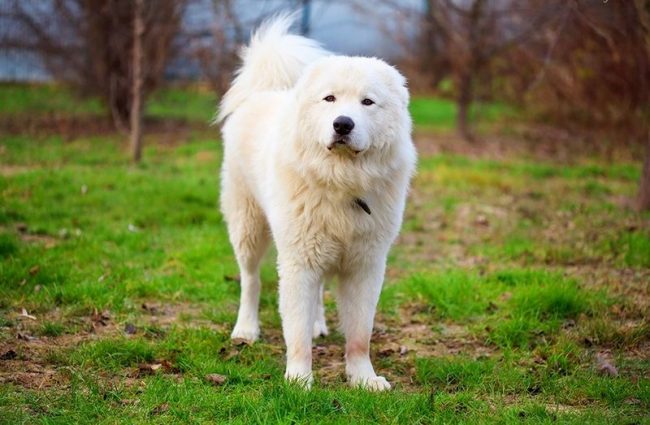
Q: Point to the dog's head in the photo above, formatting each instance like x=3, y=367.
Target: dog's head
x=348, y=106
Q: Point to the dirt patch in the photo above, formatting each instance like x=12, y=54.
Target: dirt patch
x=8, y=170
x=29, y=359
x=630, y=284
x=397, y=341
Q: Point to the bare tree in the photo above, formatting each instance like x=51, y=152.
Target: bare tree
x=464, y=39
x=474, y=34
x=86, y=43
x=643, y=11
x=136, y=96
x=216, y=49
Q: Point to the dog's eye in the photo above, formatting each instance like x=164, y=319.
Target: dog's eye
x=329, y=98
x=367, y=102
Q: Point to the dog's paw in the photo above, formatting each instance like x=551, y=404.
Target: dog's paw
x=245, y=334
x=375, y=383
x=320, y=329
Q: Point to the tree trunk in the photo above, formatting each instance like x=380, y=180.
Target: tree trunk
x=644, y=184
x=136, y=106
x=470, y=69
x=305, y=18
x=464, y=102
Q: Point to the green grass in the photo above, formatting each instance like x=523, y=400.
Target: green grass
x=440, y=114
x=42, y=99
x=510, y=277
x=193, y=104
x=189, y=104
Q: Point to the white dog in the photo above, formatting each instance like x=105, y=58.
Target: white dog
x=318, y=157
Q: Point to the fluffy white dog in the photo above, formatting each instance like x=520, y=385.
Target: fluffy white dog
x=318, y=157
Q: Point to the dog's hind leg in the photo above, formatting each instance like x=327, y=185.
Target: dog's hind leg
x=250, y=237
x=320, y=325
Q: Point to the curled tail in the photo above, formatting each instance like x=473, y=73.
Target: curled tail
x=273, y=60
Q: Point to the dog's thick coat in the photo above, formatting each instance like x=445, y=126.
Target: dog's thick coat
x=289, y=175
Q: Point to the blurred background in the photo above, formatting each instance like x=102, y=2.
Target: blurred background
x=518, y=289
x=577, y=71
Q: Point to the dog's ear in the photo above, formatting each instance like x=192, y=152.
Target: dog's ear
x=404, y=93
x=400, y=85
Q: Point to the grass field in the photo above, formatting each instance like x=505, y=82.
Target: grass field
x=519, y=290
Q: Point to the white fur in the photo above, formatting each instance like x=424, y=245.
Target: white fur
x=283, y=179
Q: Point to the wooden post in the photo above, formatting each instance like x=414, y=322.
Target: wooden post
x=136, y=101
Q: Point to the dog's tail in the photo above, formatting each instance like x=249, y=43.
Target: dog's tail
x=273, y=60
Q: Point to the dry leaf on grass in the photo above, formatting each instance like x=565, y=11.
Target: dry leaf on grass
x=215, y=379
x=8, y=355
x=160, y=409
x=25, y=314
x=605, y=364
x=147, y=369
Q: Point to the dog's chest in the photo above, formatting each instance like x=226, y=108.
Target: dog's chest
x=331, y=229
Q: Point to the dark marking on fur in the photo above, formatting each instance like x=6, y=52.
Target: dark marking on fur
x=360, y=202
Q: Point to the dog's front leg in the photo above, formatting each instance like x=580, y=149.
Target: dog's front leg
x=298, y=294
x=358, y=293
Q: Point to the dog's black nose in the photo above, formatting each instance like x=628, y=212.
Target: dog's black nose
x=343, y=125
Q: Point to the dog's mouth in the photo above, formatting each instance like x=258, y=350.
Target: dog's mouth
x=343, y=143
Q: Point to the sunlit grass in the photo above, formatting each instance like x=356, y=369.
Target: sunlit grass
x=516, y=274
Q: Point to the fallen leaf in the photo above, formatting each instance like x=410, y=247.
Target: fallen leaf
x=505, y=296
x=569, y=324
x=605, y=364
x=130, y=329
x=388, y=350
x=152, y=309
x=101, y=318
x=160, y=409
x=8, y=355
x=215, y=379
x=403, y=350
x=320, y=350
x=231, y=354
x=148, y=369
x=24, y=336
x=169, y=367
x=34, y=270
x=25, y=314
x=481, y=220
x=492, y=307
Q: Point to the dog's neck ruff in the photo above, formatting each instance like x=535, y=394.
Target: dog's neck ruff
x=361, y=203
